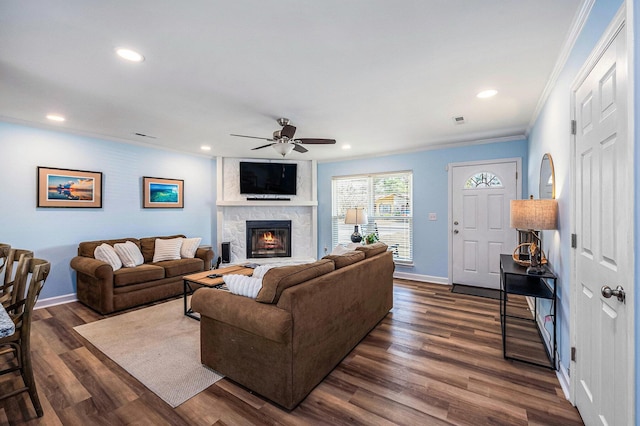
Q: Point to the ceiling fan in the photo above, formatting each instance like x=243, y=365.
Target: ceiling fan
x=283, y=141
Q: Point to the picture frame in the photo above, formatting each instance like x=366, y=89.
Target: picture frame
x=162, y=193
x=68, y=188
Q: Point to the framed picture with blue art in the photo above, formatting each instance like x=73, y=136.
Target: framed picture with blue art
x=69, y=188
x=160, y=193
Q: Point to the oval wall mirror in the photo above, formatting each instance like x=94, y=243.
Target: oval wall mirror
x=547, y=178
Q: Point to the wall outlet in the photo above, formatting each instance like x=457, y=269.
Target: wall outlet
x=433, y=216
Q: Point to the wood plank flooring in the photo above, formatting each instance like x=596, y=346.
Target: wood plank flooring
x=436, y=359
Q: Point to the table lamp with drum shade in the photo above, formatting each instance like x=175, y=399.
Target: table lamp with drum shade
x=356, y=217
x=530, y=217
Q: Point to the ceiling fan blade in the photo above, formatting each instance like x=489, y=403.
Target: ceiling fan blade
x=260, y=147
x=299, y=148
x=315, y=141
x=288, y=131
x=253, y=137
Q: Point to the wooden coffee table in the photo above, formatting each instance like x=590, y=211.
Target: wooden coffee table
x=193, y=282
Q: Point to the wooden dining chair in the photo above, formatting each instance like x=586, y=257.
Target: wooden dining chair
x=21, y=313
x=14, y=257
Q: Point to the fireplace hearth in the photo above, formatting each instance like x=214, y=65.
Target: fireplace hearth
x=268, y=238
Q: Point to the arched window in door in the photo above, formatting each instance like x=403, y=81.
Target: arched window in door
x=483, y=180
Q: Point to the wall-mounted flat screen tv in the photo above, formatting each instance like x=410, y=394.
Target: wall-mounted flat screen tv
x=268, y=178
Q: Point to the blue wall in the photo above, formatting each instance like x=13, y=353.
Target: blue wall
x=54, y=233
x=430, y=195
x=551, y=133
x=636, y=101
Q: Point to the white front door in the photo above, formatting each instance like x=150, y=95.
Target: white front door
x=602, y=374
x=481, y=195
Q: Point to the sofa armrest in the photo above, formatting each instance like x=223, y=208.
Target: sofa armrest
x=206, y=254
x=242, y=312
x=93, y=267
x=94, y=284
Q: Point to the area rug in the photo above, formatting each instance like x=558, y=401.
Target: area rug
x=159, y=346
x=475, y=291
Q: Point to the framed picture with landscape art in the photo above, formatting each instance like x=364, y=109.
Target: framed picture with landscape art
x=69, y=188
x=162, y=193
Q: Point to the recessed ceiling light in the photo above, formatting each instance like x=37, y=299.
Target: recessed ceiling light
x=346, y=146
x=129, y=55
x=205, y=148
x=487, y=93
x=55, y=117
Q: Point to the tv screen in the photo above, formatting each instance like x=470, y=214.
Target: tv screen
x=268, y=178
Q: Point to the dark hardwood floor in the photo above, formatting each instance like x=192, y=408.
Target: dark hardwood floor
x=436, y=359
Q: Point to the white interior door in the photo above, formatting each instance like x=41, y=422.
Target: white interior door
x=481, y=193
x=603, y=370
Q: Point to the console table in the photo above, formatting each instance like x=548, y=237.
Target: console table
x=515, y=280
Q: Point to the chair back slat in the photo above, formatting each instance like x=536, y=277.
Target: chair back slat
x=14, y=282
x=4, y=254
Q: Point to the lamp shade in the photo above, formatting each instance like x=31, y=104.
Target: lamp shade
x=283, y=148
x=534, y=214
x=356, y=217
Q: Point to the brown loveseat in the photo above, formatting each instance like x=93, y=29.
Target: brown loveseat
x=310, y=318
x=106, y=291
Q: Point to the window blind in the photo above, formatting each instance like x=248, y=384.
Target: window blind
x=387, y=199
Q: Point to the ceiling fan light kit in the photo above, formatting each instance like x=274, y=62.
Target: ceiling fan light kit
x=283, y=148
x=283, y=142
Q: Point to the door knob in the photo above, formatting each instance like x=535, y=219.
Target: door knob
x=618, y=292
x=455, y=223
x=455, y=231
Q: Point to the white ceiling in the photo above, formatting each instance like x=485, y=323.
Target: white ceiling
x=380, y=75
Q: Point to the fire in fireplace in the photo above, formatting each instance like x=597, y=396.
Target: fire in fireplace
x=268, y=238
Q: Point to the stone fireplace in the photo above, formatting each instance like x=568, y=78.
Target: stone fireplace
x=268, y=238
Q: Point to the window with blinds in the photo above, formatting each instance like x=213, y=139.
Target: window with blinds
x=387, y=199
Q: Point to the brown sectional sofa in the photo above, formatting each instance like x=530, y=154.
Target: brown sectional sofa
x=304, y=321
x=106, y=291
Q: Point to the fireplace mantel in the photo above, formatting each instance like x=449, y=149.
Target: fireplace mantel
x=266, y=203
x=233, y=209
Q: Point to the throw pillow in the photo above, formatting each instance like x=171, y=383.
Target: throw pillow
x=189, y=247
x=243, y=285
x=167, y=249
x=106, y=253
x=129, y=254
x=340, y=249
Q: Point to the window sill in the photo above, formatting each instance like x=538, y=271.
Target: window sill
x=404, y=263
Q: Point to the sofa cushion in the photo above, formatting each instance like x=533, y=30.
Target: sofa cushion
x=371, y=250
x=139, y=274
x=346, y=259
x=167, y=249
x=189, y=247
x=87, y=248
x=276, y=280
x=148, y=246
x=105, y=253
x=129, y=253
x=179, y=267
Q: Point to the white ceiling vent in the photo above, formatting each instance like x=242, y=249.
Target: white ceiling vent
x=458, y=120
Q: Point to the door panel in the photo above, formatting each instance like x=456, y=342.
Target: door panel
x=603, y=220
x=481, y=193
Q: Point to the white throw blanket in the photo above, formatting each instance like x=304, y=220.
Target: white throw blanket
x=243, y=285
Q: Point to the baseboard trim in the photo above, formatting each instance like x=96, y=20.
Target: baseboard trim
x=58, y=300
x=421, y=278
x=563, y=378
